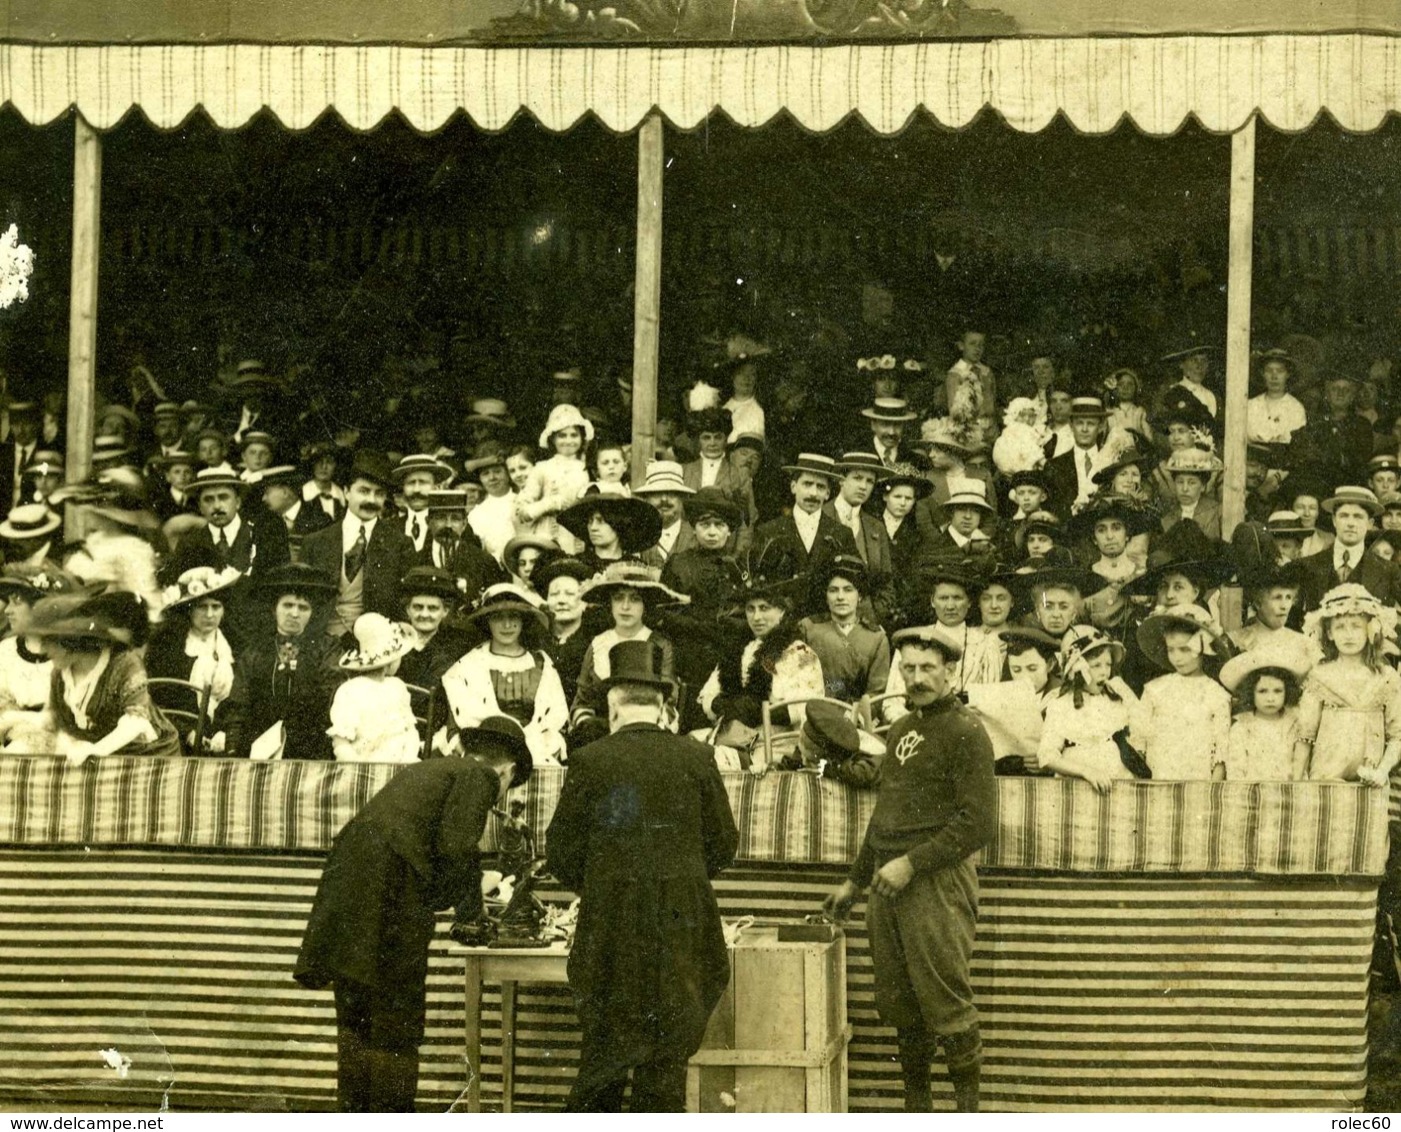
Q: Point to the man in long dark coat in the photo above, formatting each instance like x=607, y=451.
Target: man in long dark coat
x=411, y=852
x=642, y=825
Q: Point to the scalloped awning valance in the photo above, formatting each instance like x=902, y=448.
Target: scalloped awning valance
x=1157, y=83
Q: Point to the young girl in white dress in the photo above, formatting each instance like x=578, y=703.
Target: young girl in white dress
x=25, y=670
x=372, y=720
x=1185, y=725
x=554, y=483
x=1350, y=712
x=1266, y=683
x=1088, y=724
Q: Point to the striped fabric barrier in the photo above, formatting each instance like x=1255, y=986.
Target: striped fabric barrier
x=1258, y=829
x=133, y=977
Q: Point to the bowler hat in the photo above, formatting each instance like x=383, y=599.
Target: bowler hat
x=713, y=501
x=501, y=732
x=373, y=466
x=429, y=580
x=637, y=662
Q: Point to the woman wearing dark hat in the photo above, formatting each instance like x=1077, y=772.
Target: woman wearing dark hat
x=430, y=595
x=25, y=671
x=189, y=645
x=559, y=582
x=611, y=527
x=98, y=704
x=525, y=554
x=283, y=678
x=509, y=674
x=854, y=653
x=773, y=663
x=630, y=590
x=896, y=496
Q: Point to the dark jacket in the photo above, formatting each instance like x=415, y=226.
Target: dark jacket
x=1381, y=578
x=261, y=545
x=410, y=852
x=388, y=556
x=299, y=696
x=642, y=825
x=780, y=538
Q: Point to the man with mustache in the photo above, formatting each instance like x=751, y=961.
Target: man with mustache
x=937, y=807
x=810, y=536
x=364, y=552
x=418, y=476
x=252, y=544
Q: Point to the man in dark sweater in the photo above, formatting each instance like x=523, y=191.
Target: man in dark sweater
x=937, y=807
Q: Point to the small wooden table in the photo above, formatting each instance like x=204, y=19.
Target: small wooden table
x=508, y=966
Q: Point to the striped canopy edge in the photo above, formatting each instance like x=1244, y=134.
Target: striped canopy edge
x=1096, y=84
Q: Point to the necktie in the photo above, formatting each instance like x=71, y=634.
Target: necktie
x=355, y=556
x=1089, y=464
x=1345, y=570
x=417, y=532
x=221, y=547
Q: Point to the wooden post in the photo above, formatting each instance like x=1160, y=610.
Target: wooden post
x=1242, y=230
x=646, y=334
x=82, y=308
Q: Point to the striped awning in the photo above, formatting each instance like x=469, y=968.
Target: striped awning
x=1096, y=83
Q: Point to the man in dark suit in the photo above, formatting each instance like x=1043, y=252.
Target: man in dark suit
x=809, y=537
x=649, y=961
x=860, y=471
x=665, y=489
x=1070, y=476
x=888, y=418
x=282, y=495
x=252, y=544
x=365, y=554
x=412, y=851
x=1353, y=510
x=17, y=451
x=713, y=466
x=454, y=549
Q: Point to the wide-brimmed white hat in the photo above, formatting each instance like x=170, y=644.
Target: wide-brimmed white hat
x=1293, y=657
x=565, y=416
x=378, y=641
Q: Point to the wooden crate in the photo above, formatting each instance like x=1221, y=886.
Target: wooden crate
x=777, y=1042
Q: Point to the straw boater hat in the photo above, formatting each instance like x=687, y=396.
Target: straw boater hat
x=663, y=476
x=565, y=416
x=378, y=641
x=814, y=463
x=257, y=436
x=713, y=501
x=32, y=582
x=193, y=408
x=1361, y=496
x=30, y=520
x=1087, y=407
x=207, y=478
x=251, y=374
x=120, y=412
x=165, y=409
x=300, y=579
x=968, y=493
x=282, y=475
x=442, y=474
x=1287, y=524
x=109, y=450
x=1183, y=618
x=631, y=576
x=894, y=410
x=44, y=462
x=1292, y=658
x=862, y=462
x=505, y=597
x=637, y=522
x=429, y=580
x=195, y=585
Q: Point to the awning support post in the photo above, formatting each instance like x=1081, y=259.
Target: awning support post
x=646, y=335
x=82, y=310
x=1238, y=276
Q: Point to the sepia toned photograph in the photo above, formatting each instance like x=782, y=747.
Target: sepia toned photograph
x=708, y=556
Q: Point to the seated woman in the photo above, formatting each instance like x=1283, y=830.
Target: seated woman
x=285, y=677
x=613, y=528
x=25, y=671
x=772, y=664
x=559, y=582
x=855, y=653
x=509, y=674
x=631, y=591
x=189, y=645
x=98, y=704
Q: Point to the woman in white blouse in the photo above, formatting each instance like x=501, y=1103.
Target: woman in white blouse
x=25, y=671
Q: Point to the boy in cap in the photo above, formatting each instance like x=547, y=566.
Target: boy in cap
x=936, y=808
x=411, y=851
